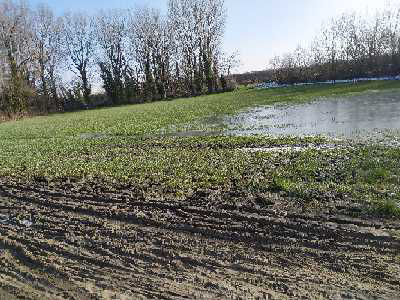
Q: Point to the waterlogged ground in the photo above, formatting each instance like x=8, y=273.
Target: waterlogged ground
x=100, y=205
x=357, y=115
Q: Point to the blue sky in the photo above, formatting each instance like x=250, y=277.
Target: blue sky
x=257, y=29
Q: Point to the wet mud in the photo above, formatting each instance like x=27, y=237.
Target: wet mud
x=88, y=241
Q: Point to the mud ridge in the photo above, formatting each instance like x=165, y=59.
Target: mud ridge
x=56, y=243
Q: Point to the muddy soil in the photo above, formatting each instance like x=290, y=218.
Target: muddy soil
x=73, y=241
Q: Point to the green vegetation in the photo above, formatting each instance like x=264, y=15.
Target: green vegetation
x=150, y=118
x=125, y=146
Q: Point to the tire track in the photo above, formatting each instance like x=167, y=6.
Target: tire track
x=105, y=245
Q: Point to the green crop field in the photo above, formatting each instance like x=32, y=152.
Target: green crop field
x=123, y=145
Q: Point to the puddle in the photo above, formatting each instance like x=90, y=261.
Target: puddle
x=26, y=223
x=292, y=148
x=93, y=135
x=8, y=220
x=189, y=133
x=4, y=219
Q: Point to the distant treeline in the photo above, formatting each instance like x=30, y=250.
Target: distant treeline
x=253, y=77
x=350, y=46
x=135, y=55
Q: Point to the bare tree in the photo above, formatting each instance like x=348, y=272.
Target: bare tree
x=186, y=43
x=330, y=41
x=302, y=62
x=228, y=63
x=49, y=53
x=150, y=35
x=391, y=16
x=16, y=42
x=199, y=26
x=78, y=32
x=375, y=43
x=111, y=33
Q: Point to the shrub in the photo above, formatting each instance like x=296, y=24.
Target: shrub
x=228, y=84
x=15, y=97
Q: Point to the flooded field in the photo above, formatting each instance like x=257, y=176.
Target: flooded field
x=349, y=116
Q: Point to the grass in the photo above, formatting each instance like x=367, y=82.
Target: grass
x=131, y=151
x=150, y=118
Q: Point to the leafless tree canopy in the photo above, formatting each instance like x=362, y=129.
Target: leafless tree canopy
x=50, y=62
x=351, y=45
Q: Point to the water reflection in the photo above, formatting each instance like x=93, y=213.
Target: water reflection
x=345, y=116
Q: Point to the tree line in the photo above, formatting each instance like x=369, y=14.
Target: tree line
x=134, y=55
x=349, y=46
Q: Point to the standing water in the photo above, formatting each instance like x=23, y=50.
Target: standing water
x=344, y=116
